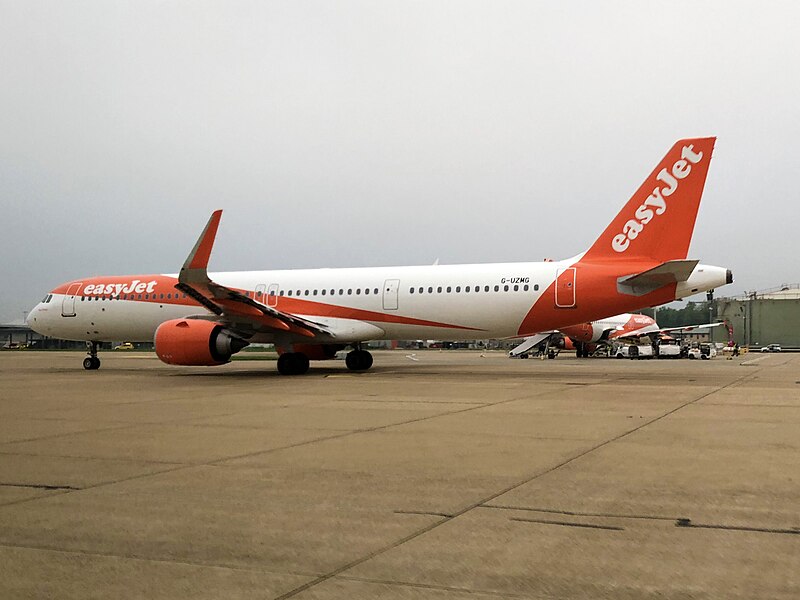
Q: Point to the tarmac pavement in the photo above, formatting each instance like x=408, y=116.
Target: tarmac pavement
x=443, y=475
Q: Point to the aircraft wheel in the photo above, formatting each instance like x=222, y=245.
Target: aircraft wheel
x=91, y=363
x=293, y=363
x=358, y=360
x=301, y=363
x=551, y=354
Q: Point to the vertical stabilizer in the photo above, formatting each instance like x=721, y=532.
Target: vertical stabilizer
x=657, y=222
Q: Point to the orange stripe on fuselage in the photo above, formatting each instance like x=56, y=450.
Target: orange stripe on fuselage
x=160, y=289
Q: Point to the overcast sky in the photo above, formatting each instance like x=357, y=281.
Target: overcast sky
x=383, y=133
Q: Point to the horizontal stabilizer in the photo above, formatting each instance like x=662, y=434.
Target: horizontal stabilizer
x=672, y=271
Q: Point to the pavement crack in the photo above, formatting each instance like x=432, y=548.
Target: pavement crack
x=568, y=524
x=579, y=514
x=423, y=512
x=688, y=523
x=39, y=486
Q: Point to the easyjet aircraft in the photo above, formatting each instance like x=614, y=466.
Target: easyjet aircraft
x=584, y=338
x=201, y=319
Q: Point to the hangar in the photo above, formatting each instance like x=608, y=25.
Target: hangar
x=764, y=317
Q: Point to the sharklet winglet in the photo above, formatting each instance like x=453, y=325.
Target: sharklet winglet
x=195, y=269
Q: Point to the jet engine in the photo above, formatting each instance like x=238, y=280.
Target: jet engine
x=585, y=332
x=194, y=342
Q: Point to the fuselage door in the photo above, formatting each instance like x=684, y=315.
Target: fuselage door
x=68, y=303
x=272, y=294
x=565, y=288
x=390, y=289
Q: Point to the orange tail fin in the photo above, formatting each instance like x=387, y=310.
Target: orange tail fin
x=657, y=222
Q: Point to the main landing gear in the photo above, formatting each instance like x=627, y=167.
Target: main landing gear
x=358, y=360
x=292, y=363
x=296, y=363
x=91, y=362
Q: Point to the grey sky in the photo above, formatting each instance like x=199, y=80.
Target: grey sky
x=378, y=133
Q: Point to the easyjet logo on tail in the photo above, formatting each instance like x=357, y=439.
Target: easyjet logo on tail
x=656, y=204
x=134, y=287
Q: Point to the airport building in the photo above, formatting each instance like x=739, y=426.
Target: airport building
x=761, y=318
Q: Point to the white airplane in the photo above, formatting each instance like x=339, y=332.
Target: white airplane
x=584, y=338
x=197, y=318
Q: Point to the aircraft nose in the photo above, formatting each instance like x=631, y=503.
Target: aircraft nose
x=31, y=314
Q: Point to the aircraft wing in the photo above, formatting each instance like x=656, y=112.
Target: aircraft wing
x=686, y=328
x=665, y=330
x=231, y=306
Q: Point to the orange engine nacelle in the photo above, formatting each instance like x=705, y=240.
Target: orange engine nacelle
x=584, y=332
x=313, y=351
x=193, y=342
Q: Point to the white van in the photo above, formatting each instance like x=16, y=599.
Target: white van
x=631, y=351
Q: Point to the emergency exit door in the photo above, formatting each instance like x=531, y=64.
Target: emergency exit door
x=565, y=288
x=390, y=289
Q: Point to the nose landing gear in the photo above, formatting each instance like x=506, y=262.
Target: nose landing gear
x=91, y=362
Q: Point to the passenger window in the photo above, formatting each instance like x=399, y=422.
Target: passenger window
x=366, y=290
x=305, y=293
x=516, y=288
x=411, y=290
x=526, y=287
x=497, y=288
x=466, y=289
x=375, y=291
x=449, y=289
x=505, y=288
x=349, y=291
x=430, y=290
x=315, y=292
x=323, y=292
x=341, y=292
x=536, y=286
x=486, y=288
x=358, y=291
x=421, y=290
x=439, y=290
x=458, y=289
